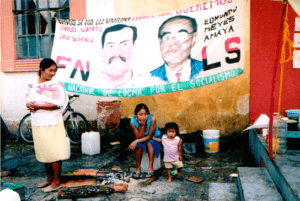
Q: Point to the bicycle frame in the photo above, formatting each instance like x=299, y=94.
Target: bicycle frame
x=75, y=122
x=70, y=109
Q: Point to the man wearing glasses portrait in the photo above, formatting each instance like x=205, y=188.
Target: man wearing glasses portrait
x=177, y=35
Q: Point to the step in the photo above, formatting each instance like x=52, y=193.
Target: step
x=256, y=184
x=9, y=162
x=223, y=192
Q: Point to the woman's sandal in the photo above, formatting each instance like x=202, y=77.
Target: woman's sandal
x=49, y=189
x=149, y=174
x=44, y=184
x=136, y=175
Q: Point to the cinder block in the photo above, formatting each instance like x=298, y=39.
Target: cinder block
x=145, y=162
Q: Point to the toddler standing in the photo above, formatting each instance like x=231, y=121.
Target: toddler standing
x=172, y=149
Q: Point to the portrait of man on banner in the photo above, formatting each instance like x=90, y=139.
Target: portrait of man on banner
x=117, y=54
x=177, y=36
x=148, y=55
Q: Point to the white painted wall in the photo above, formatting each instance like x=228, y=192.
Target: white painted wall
x=13, y=85
x=13, y=95
x=100, y=9
x=13, y=89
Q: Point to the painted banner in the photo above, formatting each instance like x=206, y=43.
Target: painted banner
x=141, y=56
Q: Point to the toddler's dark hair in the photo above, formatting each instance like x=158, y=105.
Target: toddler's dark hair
x=172, y=125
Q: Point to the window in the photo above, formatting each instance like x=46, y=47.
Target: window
x=35, y=26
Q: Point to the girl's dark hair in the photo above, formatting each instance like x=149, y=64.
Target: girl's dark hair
x=172, y=125
x=141, y=106
x=46, y=63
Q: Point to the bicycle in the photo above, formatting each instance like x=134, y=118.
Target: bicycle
x=75, y=124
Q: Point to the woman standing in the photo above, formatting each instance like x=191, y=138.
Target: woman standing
x=144, y=127
x=46, y=99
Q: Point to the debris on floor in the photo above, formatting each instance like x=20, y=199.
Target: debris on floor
x=115, y=143
x=206, y=168
x=156, y=175
x=84, y=183
x=195, y=179
x=234, y=175
x=90, y=191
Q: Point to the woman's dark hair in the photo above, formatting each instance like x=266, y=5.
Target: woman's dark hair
x=46, y=63
x=141, y=106
x=172, y=125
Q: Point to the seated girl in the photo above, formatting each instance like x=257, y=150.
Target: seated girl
x=144, y=127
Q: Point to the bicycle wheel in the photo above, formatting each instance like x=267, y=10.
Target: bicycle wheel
x=25, y=129
x=76, y=124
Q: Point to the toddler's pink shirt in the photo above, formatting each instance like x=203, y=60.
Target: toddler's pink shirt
x=171, y=153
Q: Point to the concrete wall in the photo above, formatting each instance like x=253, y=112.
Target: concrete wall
x=223, y=106
x=13, y=89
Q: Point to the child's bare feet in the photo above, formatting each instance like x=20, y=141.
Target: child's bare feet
x=169, y=180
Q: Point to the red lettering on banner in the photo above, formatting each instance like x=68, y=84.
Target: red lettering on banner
x=223, y=2
x=148, y=17
x=84, y=75
x=62, y=58
x=136, y=18
x=204, y=6
x=163, y=15
x=92, y=28
x=64, y=37
x=68, y=29
x=207, y=66
x=232, y=40
x=204, y=55
x=142, y=18
x=198, y=7
x=83, y=39
x=232, y=51
x=216, y=1
x=186, y=10
x=191, y=9
x=219, y=2
x=78, y=64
